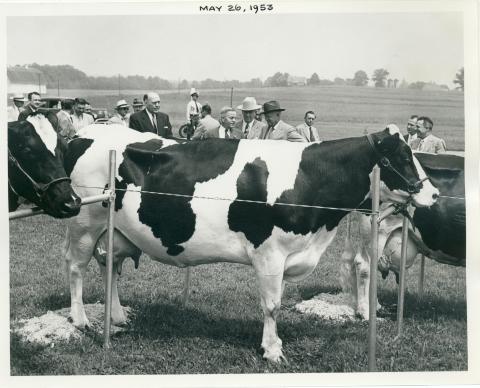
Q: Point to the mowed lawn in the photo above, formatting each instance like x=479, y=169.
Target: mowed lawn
x=341, y=111
x=220, y=329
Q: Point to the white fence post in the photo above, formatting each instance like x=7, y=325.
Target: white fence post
x=401, y=292
x=372, y=309
x=109, y=264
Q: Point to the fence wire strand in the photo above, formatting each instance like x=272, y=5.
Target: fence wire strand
x=364, y=211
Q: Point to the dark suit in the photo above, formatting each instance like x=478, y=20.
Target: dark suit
x=140, y=121
x=25, y=113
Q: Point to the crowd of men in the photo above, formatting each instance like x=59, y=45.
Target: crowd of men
x=256, y=121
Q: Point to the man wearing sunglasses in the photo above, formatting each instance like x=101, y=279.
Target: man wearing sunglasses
x=121, y=116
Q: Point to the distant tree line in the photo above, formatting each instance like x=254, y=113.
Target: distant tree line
x=68, y=77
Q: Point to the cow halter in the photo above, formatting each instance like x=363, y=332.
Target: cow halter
x=40, y=188
x=412, y=188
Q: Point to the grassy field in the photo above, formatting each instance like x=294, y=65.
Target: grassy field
x=220, y=329
x=341, y=111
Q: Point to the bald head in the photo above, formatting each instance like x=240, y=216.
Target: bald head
x=152, y=102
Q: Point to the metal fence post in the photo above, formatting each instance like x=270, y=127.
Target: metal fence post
x=372, y=309
x=422, y=276
x=401, y=292
x=109, y=264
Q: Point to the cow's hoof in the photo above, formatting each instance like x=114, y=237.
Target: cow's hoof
x=81, y=324
x=274, y=354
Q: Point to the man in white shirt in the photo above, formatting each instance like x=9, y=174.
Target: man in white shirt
x=193, y=106
x=121, y=116
x=80, y=119
x=250, y=127
x=411, y=130
x=307, y=130
x=34, y=103
x=227, y=128
x=14, y=110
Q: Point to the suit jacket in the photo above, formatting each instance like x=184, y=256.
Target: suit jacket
x=431, y=144
x=117, y=119
x=25, y=113
x=140, y=121
x=304, y=130
x=215, y=132
x=254, y=131
x=282, y=131
x=65, y=124
x=205, y=124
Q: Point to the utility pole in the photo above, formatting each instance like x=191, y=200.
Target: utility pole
x=58, y=87
x=119, y=84
x=39, y=84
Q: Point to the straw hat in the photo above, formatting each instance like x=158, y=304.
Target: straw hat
x=122, y=104
x=249, y=104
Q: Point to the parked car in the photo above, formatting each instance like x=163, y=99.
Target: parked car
x=54, y=104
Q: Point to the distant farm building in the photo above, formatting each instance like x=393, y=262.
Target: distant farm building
x=24, y=80
x=296, y=81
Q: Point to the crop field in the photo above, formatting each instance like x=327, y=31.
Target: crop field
x=220, y=329
x=341, y=111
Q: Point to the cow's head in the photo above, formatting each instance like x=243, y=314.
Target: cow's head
x=402, y=177
x=35, y=167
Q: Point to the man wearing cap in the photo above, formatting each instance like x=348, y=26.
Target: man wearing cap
x=307, y=130
x=151, y=119
x=121, y=116
x=411, y=130
x=277, y=129
x=137, y=105
x=206, y=123
x=250, y=127
x=65, y=123
x=227, y=128
x=193, y=106
x=426, y=141
x=34, y=102
x=14, y=110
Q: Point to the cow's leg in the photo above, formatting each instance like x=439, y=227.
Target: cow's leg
x=362, y=269
x=78, y=252
x=118, y=315
x=270, y=298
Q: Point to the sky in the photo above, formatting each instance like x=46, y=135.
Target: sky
x=412, y=46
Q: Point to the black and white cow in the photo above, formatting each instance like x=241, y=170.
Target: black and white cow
x=35, y=167
x=438, y=232
x=248, y=221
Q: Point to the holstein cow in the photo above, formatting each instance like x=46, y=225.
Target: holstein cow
x=438, y=232
x=35, y=167
x=233, y=201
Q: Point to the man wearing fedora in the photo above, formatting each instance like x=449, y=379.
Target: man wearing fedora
x=34, y=102
x=14, y=110
x=227, y=128
x=193, y=106
x=121, y=116
x=151, y=119
x=307, y=130
x=137, y=105
x=277, y=129
x=250, y=127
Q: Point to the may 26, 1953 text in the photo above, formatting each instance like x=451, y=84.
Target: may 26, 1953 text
x=255, y=8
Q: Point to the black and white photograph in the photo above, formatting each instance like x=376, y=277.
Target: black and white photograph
x=240, y=193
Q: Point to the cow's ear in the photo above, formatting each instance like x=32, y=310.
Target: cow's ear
x=143, y=156
x=389, y=143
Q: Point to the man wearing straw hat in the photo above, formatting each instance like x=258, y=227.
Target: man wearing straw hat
x=250, y=127
x=193, y=107
x=276, y=129
x=14, y=110
x=121, y=116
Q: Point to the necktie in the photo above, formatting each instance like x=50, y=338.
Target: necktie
x=312, y=138
x=266, y=133
x=196, y=106
x=246, y=130
x=154, y=122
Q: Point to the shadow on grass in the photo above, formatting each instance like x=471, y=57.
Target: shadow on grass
x=26, y=356
x=308, y=292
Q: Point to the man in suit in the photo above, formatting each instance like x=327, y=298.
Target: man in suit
x=80, y=119
x=307, y=130
x=151, y=119
x=65, y=123
x=411, y=130
x=426, y=141
x=14, y=110
x=250, y=127
x=121, y=117
x=227, y=128
x=137, y=105
x=206, y=123
x=276, y=128
x=34, y=102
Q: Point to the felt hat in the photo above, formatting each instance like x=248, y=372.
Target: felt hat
x=271, y=106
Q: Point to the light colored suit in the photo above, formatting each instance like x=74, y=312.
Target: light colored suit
x=215, y=133
x=282, y=131
x=65, y=124
x=431, y=144
x=13, y=112
x=204, y=125
x=255, y=129
x=304, y=130
x=117, y=119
